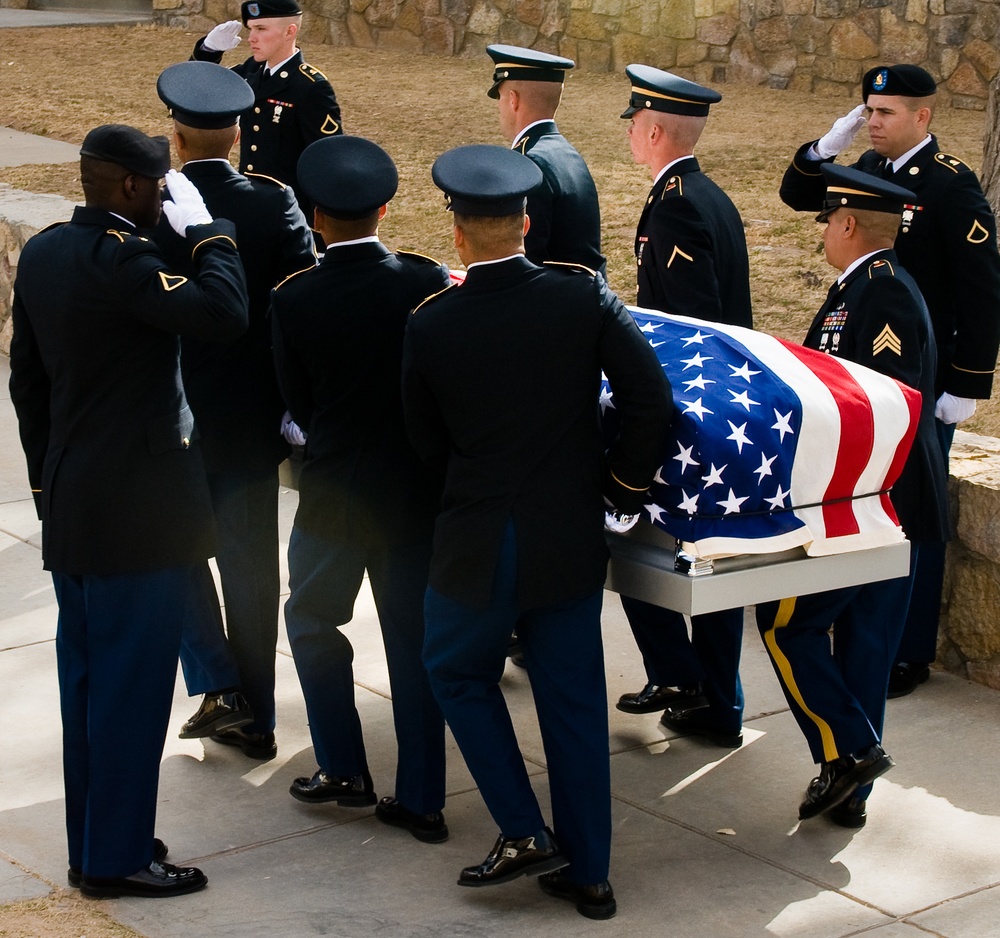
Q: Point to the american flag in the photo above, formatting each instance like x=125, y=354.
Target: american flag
x=773, y=445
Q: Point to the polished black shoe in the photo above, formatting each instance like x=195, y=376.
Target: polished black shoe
x=430, y=828
x=218, y=712
x=838, y=778
x=595, y=900
x=653, y=697
x=526, y=856
x=348, y=791
x=696, y=723
x=156, y=881
x=254, y=745
x=904, y=678
x=74, y=876
x=852, y=813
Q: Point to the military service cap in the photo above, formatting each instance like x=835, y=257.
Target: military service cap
x=130, y=148
x=847, y=187
x=519, y=64
x=265, y=9
x=347, y=177
x=485, y=180
x=910, y=81
x=203, y=95
x=656, y=90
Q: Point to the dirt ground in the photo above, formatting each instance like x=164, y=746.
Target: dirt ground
x=61, y=82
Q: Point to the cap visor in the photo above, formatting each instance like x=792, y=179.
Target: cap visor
x=494, y=91
x=628, y=112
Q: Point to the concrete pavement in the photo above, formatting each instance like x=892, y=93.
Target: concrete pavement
x=706, y=841
x=15, y=19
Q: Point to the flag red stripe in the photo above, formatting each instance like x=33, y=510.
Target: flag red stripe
x=913, y=402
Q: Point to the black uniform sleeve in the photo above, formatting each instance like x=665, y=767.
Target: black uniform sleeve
x=541, y=204
x=293, y=380
x=298, y=247
x=201, y=54
x=803, y=186
x=318, y=114
x=424, y=423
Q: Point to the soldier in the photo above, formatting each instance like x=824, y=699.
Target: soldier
x=691, y=257
x=564, y=211
x=947, y=240
x=365, y=500
x=874, y=315
x=294, y=103
x=234, y=395
x=501, y=380
x=119, y=483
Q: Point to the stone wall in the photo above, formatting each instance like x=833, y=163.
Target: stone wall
x=823, y=46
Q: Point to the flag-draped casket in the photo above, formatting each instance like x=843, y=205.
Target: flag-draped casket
x=773, y=445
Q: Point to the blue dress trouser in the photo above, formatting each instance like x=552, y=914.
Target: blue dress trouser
x=465, y=651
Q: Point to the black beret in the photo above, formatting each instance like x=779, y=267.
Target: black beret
x=130, y=148
x=520, y=64
x=656, y=90
x=264, y=9
x=910, y=81
x=847, y=187
x=485, y=180
x=203, y=94
x=347, y=177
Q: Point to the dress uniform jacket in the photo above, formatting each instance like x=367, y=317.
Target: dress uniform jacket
x=95, y=380
x=691, y=250
x=877, y=318
x=291, y=109
x=338, y=339
x=232, y=388
x=564, y=211
x=501, y=380
x=948, y=242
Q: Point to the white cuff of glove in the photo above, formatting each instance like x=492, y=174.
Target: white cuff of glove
x=223, y=37
x=841, y=135
x=291, y=431
x=951, y=409
x=187, y=206
x=619, y=523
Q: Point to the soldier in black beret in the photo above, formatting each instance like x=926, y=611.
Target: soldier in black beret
x=234, y=395
x=564, y=211
x=119, y=484
x=948, y=241
x=691, y=257
x=365, y=501
x=294, y=103
x=500, y=390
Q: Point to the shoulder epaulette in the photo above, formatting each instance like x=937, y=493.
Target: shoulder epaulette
x=311, y=72
x=293, y=276
x=566, y=265
x=433, y=296
x=277, y=182
x=952, y=162
x=880, y=268
x=54, y=224
x=416, y=255
x=674, y=186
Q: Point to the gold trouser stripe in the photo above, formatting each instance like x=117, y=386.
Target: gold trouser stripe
x=785, y=609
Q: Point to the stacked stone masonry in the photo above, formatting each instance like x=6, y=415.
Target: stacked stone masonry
x=823, y=46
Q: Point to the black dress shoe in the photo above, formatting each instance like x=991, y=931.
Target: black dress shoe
x=217, y=712
x=852, y=813
x=595, y=900
x=74, y=876
x=158, y=880
x=348, y=791
x=838, y=779
x=430, y=828
x=905, y=677
x=509, y=858
x=653, y=697
x=697, y=723
x=254, y=745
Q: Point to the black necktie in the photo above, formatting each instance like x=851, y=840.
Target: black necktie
x=887, y=171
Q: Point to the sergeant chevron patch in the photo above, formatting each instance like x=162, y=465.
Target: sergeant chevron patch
x=677, y=252
x=887, y=339
x=171, y=281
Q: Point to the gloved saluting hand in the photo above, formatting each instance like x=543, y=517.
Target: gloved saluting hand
x=841, y=134
x=223, y=37
x=188, y=207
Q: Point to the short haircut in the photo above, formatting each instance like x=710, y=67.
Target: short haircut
x=350, y=229
x=204, y=143
x=683, y=129
x=876, y=225
x=499, y=235
x=100, y=178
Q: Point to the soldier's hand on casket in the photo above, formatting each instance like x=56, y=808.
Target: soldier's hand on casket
x=188, y=207
x=619, y=522
x=951, y=409
x=291, y=431
x=841, y=135
x=223, y=37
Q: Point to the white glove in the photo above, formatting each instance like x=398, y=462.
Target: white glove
x=187, y=207
x=291, y=431
x=841, y=134
x=223, y=37
x=951, y=409
x=618, y=523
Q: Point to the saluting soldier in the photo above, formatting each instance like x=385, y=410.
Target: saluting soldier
x=294, y=103
x=565, y=217
x=691, y=257
x=234, y=394
x=119, y=483
x=948, y=241
x=874, y=315
x=365, y=500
